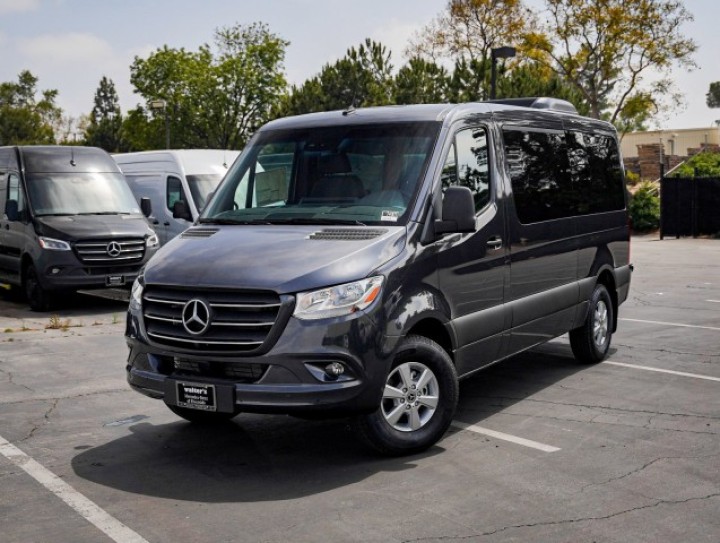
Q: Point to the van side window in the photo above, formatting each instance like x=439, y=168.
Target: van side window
x=596, y=172
x=467, y=165
x=15, y=191
x=537, y=164
x=175, y=192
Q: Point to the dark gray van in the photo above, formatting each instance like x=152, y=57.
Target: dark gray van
x=70, y=222
x=360, y=262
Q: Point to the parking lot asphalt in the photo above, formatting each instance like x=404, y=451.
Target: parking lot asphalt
x=542, y=449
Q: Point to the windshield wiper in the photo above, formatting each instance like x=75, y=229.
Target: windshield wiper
x=233, y=221
x=104, y=213
x=312, y=220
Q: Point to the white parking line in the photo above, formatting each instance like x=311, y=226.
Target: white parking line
x=673, y=324
x=713, y=301
x=660, y=370
x=505, y=437
x=108, y=524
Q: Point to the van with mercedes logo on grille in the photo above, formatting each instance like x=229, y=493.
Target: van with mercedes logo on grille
x=359, y=263
x=69, y=222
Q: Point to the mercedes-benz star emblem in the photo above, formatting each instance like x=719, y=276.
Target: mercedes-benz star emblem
x=113, y=249
x=196, y=317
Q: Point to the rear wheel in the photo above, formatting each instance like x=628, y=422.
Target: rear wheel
x=38, y=298
x=418, y=403
x=591, y=342
x=202, y=417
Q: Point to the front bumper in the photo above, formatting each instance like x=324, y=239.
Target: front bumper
x=289, y=378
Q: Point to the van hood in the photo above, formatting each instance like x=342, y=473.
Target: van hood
x=285, y=259
x=77, y=227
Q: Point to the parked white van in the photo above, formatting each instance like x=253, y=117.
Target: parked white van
x=177, y=182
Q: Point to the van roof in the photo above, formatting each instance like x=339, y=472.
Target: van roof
x=65, y=159
x=547, y=108
x=186, y=161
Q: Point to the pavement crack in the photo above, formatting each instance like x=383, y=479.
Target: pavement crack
x=46, y=420
x=11, y=379
x=561, y=522
x=62, y=398
x=645, y=348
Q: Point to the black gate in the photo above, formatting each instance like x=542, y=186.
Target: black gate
x=689, y=206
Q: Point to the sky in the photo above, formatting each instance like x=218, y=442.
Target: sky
x=70, y=44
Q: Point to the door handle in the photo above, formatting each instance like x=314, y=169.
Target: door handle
x=494, y=242
x=166, y=223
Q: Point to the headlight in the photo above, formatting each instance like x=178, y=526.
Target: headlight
x=339, y=300
x=136, y=293
x=53, y=244
x=152, y=241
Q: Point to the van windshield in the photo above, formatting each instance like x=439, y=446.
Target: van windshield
x=201, y=185
x=80, y=194
x=326, y=175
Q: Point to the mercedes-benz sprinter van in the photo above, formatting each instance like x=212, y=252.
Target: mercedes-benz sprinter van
x=360, y=262
x=178, y=183
x=69, y=222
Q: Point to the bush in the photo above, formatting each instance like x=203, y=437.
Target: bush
x=704, y=164
x=645, y=207
x=631, y=178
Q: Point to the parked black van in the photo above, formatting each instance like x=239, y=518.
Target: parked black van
x=70, y=222
x=359, y=262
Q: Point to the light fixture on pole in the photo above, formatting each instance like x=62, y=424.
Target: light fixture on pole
x=496, y=53
x=161, y=105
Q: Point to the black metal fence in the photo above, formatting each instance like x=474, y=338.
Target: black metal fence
x=689, y=206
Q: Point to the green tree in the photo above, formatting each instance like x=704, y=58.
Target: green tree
x=606, y=48
x=362, y=78
x=25, y=119
x=421, y=81
x=712, y=98
x=215, y=97
x=104, y=128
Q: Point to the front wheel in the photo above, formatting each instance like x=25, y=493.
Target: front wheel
x=591, y=342
x=418, y=402
x=202, y=417
x=38, y=298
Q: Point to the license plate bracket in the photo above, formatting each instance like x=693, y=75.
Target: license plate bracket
x=114, y=280
x=200, y=396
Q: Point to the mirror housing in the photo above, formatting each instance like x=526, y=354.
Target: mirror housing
x=181, y=211
x=11, y=210
x=458, y=212
x=146, y=206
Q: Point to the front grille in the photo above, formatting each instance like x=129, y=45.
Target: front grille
x=109, y=252
x=240, y=321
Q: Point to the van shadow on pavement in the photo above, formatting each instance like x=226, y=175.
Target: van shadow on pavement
x=271, y=457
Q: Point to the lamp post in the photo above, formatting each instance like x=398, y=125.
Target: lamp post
x=161, y=105
x=496, y=53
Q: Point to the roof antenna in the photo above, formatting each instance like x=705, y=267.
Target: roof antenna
x=72, y=156
x=351, y=108
x=225, y=158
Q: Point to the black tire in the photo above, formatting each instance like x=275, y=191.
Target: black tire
x=38, y=298
x=393, y=436
x=591, y=342
x=203, y=417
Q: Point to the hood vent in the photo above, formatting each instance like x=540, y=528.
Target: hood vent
x=348, y=234
x=198, y=232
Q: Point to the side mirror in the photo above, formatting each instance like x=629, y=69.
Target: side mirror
x=181, y=211
x=11, y=210
x=458, y=212
x=146, y=206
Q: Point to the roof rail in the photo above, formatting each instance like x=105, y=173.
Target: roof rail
x=552, y=104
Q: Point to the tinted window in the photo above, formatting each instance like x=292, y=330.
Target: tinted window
x=537, y=164
x=596, y=172
x=175, y=192
x=15, y=191
x=467, y=165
